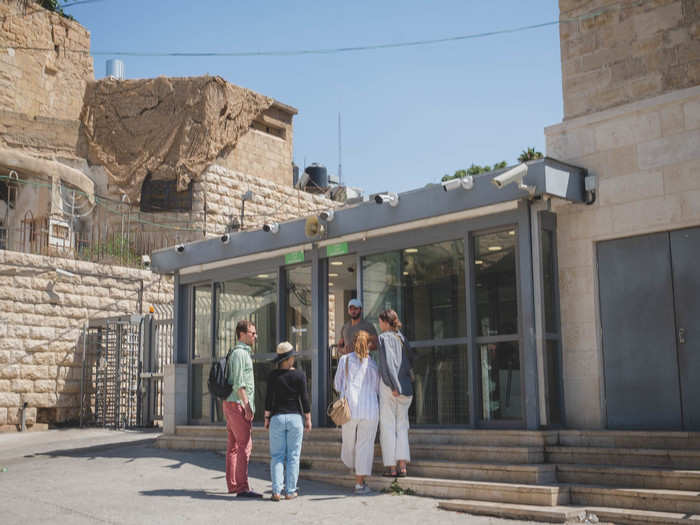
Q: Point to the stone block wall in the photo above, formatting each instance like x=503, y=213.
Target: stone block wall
x=615, y=52
x=646, y=156
x=266, y=150
x=51, y=75
x=42, y=314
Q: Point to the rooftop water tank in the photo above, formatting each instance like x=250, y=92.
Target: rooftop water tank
x=318, y=178
x=115, y=69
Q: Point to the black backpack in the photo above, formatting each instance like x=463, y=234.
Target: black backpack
x=218, y=378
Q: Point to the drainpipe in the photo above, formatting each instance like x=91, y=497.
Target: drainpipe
x=537, y=283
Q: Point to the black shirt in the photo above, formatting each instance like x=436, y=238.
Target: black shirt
x=286, y=392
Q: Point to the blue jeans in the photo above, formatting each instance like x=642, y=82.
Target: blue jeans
x=286, y=433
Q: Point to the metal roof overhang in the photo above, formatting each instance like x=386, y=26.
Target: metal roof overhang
x=548, y=176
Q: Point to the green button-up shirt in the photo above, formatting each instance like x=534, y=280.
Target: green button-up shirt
x=240, y=374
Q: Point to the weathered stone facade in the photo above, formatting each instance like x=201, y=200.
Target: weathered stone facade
x=645, y=155
x=43, y=74
x=266, y=150
x=617, y=52
x=42, y=314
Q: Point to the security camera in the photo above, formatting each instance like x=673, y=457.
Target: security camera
x=271, y=227
x=145, y=261
x=466, y=182
x=391, y=198
x=515, y=174
x=327, y=215
x=180, y=248
x=225, y=238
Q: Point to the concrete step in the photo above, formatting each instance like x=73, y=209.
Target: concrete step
x=525, y=474
x=634, y=439
x=635, y=498
x=422, y=436
x=568, y=513
x=639, y=457
x=630, y=477
x=544, y=495
x=176, y=442
x=459, y=453
x=514, y=511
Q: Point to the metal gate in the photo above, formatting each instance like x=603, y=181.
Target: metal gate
x=122, y=377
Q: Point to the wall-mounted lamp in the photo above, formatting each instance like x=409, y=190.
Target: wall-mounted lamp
x=271, y=227
x=390, y=198
x=466, y=183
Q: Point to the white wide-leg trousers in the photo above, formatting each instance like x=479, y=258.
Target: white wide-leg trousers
x=393, y=421
x=357, y=452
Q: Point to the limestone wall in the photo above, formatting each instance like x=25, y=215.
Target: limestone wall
x=631, y=50
x=46, y=81
x=266, y=150
x=42, y=313
x=646, y=156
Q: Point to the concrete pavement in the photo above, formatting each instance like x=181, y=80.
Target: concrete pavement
x=94, y=476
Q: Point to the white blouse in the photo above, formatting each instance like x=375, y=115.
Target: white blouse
x=362, y=387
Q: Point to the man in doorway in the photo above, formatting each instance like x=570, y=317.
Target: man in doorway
x=239, y=408
x=354, y=325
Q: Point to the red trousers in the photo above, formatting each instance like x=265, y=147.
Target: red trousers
x=240, y=444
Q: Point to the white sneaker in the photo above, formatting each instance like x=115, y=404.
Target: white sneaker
x=362, y=489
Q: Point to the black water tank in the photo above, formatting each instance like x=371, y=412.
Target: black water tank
x=318, y=177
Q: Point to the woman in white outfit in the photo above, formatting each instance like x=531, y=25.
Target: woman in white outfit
x=395, y=394
x=357, y=378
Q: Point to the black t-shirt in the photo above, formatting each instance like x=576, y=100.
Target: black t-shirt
x=286, y=392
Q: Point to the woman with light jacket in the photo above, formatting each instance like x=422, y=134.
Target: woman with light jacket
x=395, y=394
x=357, y=379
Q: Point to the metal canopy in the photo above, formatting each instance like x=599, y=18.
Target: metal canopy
x=548, y=177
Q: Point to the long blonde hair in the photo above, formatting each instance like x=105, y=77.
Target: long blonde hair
x=361, y=344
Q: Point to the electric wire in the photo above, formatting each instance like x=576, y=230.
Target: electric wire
x=339, y=50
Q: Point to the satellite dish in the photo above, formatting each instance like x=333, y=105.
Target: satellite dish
x=313, y=227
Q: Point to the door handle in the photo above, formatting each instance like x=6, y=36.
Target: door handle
x=681, y=335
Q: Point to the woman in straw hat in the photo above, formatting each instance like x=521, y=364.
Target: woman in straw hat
x=287, y=413
x=357, y=378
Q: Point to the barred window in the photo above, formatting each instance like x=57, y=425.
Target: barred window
x=162, y=195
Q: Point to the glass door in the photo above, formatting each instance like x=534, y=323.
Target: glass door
x=342, y=286
x=299, y=318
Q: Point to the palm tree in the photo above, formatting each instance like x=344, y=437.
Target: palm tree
x=529, y=154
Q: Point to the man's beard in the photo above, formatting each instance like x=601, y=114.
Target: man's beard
x=356, y=316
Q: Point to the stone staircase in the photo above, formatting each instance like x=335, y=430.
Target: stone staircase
x=551, y=476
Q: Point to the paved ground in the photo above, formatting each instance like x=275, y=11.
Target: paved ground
x=97, y=476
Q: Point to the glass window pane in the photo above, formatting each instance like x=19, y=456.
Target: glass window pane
x=200, y=405
x=381, y=285
x=501, y=396
x=202, y=322
x=552, y=358
x=298, y=329
x=548, y=281
x=253, y=298
x=441, y=388
x=495, y=279
x=425, y=285
x=432, y=280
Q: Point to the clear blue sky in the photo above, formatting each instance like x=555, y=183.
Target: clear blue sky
x=409, y=115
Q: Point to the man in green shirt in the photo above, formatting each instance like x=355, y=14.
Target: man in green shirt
x=239, y=408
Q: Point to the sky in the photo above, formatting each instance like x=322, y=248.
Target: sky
x=409, y=115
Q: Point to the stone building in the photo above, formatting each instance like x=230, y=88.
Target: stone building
x=631, y=84
x=180, y=159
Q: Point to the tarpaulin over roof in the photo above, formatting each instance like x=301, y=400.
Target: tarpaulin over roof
x=172, y=128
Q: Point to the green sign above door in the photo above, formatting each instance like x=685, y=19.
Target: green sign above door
x=294, y=257
x=337, y=249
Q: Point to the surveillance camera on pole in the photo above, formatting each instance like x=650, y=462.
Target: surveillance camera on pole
x=514, y=175
x=180, y=249
x=225, y=238
x=327, y=215
x=146, y=261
